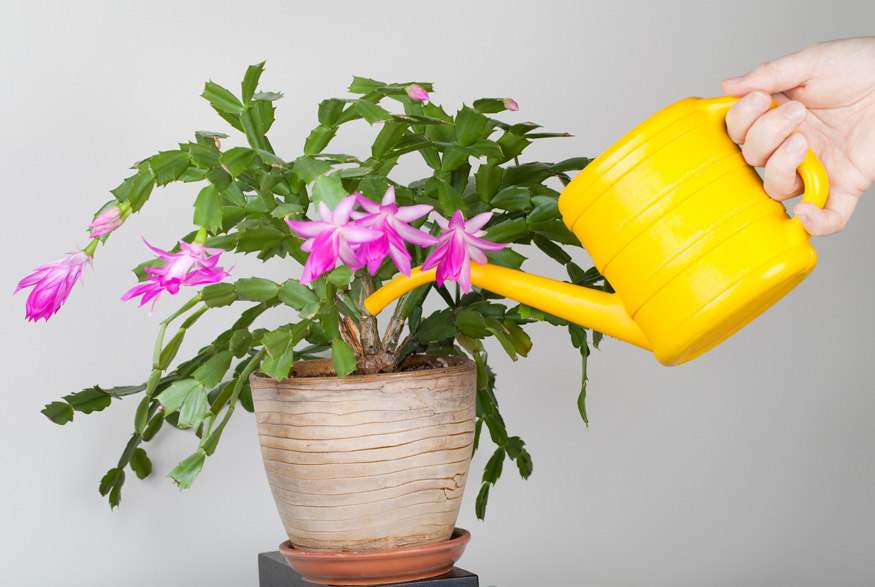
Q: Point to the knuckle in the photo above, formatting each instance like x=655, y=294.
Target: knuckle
x=751, y=158
x=764, y=67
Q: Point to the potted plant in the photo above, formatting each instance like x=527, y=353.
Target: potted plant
x=352, y=227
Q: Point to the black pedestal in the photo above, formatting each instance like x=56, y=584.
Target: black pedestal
x=274, y=571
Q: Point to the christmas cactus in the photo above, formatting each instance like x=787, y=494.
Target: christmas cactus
x=352, y=227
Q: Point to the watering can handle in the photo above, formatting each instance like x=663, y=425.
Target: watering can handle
x=811, y=169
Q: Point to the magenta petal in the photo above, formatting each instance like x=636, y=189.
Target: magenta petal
x=434, y=259
x=163, y=255
x=374, y=265
x=348, y=256
x=477, y=255
x=34, y=277
x=193, y=249
x=359, y=234
x=389, y=196
x=411, y=213
x=482, y=244
x=324, y=254
x=401, y=258
x=464, y=277
x=413, y=235
x=477, y=222
x=441, y=221
x=457, y=222
x=366, y=204
x=341, y=212
x=457, y=253
x=309, y=273
x=309, y=229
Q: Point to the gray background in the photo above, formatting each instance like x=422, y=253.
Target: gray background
x=752, y=465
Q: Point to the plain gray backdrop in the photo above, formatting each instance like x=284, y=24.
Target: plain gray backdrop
x=752, y=465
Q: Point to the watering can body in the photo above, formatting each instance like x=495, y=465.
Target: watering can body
x=681, y=227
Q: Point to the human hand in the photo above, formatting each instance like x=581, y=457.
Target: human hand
x=827, y=92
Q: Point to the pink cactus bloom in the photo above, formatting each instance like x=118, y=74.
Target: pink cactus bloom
x=391, y=221
x=107, y=221
x=194, y=265
x=52, y=284
x=332, y=239
x=511, y=104
x=417, y=92
x=457, y=246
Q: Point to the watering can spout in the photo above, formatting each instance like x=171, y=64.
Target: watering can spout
x=591, y=308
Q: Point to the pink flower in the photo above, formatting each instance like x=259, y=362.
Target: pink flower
x=52, y=284
x=457, y=246
x=391, y=221
x=194, y=265
x=332, y=239
x=511, y=104
x=107, y=221
x=417, y=92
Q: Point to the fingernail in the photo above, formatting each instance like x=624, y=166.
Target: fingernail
x=802, y=216
x=759, y=100
x=795, y=143
x=732, y=80
x=794, y=111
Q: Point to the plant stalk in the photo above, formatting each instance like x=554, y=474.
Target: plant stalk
x=370, y=337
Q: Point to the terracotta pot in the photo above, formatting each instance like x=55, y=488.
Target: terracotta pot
x=367, y=462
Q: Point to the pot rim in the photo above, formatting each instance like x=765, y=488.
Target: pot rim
x=456, y=365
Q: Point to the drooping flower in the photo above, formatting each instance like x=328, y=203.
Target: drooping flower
x=107, y=221
x=194, y=265
x=417, y=92
x=511, y=104
x=457, y=246
x=52, y=284
x=391, y=221
x=332, y=239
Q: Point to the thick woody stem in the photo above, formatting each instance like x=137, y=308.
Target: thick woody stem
x=367, y=322
x=403, y=308
x=350, y=335
x=393, y=333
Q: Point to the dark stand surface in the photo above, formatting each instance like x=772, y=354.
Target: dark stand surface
x=274, y=571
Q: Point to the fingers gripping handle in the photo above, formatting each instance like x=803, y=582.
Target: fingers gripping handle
x=811, y=170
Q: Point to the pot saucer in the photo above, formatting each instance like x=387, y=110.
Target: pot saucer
x=376, y=567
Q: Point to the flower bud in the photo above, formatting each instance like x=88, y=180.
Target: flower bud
x=511, y=104
x=106, y=222
x=417, y=92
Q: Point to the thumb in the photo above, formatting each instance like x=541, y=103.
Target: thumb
x=784, y=73
x=820, y=222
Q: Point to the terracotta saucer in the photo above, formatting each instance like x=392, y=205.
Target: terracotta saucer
x=375, y=567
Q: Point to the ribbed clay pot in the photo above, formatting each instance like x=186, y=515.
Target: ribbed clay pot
x=367, y=462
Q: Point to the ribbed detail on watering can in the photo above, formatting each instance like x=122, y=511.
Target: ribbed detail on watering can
x=623, y=156
x=650, y=215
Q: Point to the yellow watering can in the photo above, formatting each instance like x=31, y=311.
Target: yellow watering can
x=681, y=227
